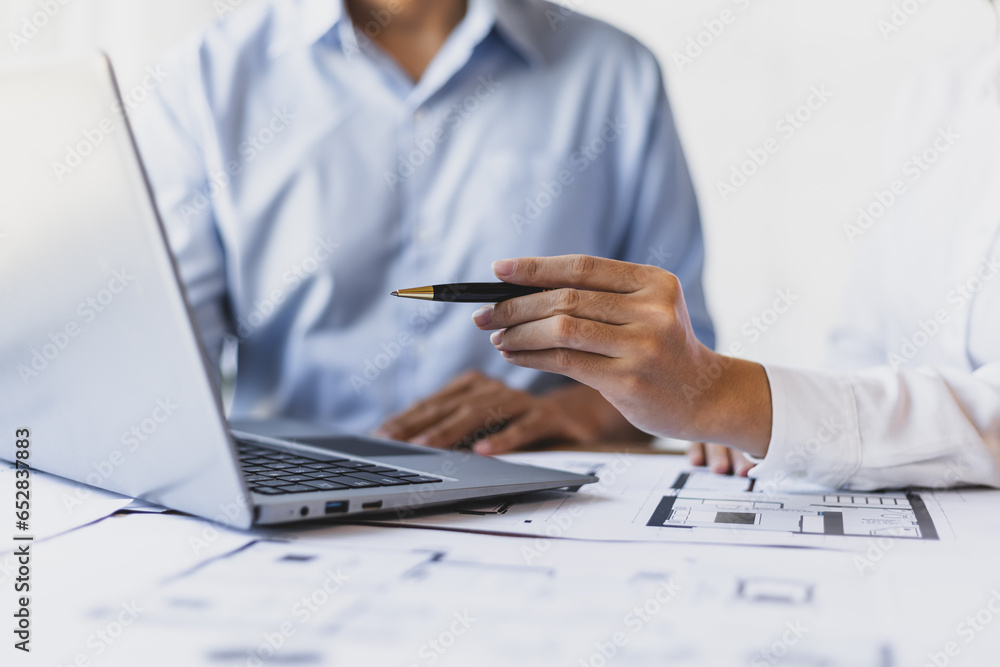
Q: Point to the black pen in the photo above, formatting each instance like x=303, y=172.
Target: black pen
x=469, y=292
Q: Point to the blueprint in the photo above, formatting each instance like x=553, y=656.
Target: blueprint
x=329, y=603
x=161, y=589
x=696, y=503
x=661, y=498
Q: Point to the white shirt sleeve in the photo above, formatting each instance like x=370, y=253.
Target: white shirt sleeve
x=883, y=428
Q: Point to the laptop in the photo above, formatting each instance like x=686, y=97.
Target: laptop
x=103, y=377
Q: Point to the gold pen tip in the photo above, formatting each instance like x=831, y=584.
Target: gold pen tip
x=394, y=293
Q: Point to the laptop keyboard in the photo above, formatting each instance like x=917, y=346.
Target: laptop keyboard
x=272, y=472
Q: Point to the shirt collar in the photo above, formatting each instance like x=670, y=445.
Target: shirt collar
x=521, y=25
x=301, y=24
x=304, y=23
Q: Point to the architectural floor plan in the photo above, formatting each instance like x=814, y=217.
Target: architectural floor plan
x=662, y=499
x=695, y=502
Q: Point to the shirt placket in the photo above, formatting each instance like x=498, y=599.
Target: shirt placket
x=418, y=233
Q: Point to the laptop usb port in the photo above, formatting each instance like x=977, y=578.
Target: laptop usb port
x=373, y=505
x=336, y=506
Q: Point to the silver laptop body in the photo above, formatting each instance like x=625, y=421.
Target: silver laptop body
x=101, y=370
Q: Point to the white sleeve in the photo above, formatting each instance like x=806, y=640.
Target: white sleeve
x=882, y=428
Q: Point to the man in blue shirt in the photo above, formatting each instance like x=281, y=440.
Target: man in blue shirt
x=310, y=156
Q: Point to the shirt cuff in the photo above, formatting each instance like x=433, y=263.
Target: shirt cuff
x=814, y=430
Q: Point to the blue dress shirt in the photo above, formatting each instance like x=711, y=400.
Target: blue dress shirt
x=302, y=176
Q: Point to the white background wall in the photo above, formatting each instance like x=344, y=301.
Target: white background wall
x=783, y=230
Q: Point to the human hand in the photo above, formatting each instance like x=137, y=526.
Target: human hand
x=488, y=415
x=719, y=459
x=624, y=330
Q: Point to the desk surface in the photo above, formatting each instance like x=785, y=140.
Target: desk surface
x=166, y=589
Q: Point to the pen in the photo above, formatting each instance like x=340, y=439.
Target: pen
x=469, y=292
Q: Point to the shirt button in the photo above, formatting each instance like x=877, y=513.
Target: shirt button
x=420, y=347
x=423, y=234
x=419, y=115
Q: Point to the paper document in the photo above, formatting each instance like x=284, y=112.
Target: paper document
x=90, y=585
x=661, y=498
x=328, y=604
x=57, y=504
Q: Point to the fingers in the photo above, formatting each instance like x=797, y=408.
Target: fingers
x=597, y=306
x=542, y=422
x=418, y=417
x=561, y=331
x=469, y=408
x=411, y=422
x=586, y=367
x=470, y=421
x=527, y=430
x=581, y=271
x=422, y=414
x=719, y=459
x=696, y=453
x=741, y=465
